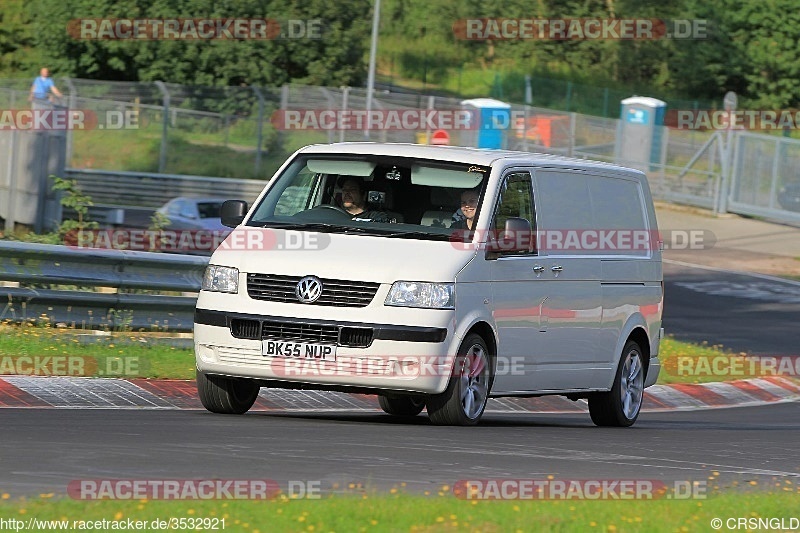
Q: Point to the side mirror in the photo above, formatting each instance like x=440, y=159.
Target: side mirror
x=515, y=237
x=232, y=212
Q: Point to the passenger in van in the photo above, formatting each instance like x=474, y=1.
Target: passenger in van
x=469, y=205
x=354, y=201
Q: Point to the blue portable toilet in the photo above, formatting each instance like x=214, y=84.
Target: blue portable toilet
x=492, y=122
x=640, y=135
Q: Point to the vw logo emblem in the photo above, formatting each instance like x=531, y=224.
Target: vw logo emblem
x=308, y=289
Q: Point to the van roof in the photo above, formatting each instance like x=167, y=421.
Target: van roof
x=462, y=154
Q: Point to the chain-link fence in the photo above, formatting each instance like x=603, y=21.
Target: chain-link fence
x=239, y=132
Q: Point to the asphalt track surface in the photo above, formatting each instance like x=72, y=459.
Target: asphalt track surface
x=742, y=312
x=42, y=450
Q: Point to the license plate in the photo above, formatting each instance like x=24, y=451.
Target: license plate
x=298, y=350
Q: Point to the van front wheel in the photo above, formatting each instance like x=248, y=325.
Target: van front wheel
x=464, y=400
x=620, y=406
x=401, y=405
x=220, y=394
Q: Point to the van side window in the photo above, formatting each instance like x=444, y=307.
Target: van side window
x=603, y=214
x=515, y=201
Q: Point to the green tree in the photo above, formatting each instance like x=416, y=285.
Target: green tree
x=334, y=59
x=18, y=56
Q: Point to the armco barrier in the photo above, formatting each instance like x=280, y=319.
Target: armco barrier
x=62, y=285
x=153, y=190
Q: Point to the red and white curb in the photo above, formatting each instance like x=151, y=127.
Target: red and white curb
x=106, y=393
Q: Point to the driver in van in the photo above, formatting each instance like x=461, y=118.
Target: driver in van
x=354, y=201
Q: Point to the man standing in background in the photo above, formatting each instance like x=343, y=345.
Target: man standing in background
x=41, y=89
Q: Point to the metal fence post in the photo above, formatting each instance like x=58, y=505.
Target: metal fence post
x=162, y=158
x=284, y=107
x=12, y=182
x=569, y=95
x=345, y=101
x=73, y=97
x=525, y=128
x=727, y=175
x=775, y=165
x=664, y=150
x=427, y=126
x=259, y=128
x=330, y=106
x=572, y=132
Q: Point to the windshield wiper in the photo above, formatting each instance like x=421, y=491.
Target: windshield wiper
x=416, y=235
x=315, y=226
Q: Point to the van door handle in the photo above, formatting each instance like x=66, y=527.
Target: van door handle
x=538, y=268
x=557, y=268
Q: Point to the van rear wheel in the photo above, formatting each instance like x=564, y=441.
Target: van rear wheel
x=401, y=405
x=621, y=405
x=225, y=395
x=464, y=400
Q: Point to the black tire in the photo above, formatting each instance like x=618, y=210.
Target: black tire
x=231, y=396
x=464, y=400
x=401, y=405
x=620, y=406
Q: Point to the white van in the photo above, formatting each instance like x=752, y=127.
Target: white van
x=436, y=277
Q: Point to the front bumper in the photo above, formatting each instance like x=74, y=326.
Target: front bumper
x=408, y=359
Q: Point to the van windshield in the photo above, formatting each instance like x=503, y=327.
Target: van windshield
x=375, y=195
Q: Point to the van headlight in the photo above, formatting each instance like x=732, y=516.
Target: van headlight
x=421, y=294
x=221, y=279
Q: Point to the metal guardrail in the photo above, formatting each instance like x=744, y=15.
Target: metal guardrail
x=153, y=190
x=78, y=270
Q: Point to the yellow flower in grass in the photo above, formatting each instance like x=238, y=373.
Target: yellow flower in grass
x=118, y=516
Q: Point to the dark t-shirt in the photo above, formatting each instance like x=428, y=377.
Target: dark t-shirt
x=371, y=216
x=459, y=224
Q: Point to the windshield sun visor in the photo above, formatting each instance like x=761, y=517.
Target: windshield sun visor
x=349, y=168
x=442, y=177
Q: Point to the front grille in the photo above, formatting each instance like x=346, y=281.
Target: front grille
x=356, y=337
x=285, y=330
x=300, y=332
x=246, y=329
x=335, y=292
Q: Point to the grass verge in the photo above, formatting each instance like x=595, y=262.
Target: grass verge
x=404, y=512
x=141, y=355
x=61, y=352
